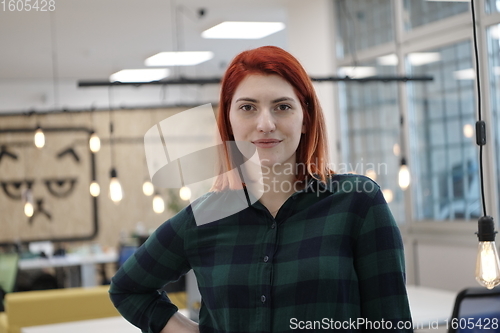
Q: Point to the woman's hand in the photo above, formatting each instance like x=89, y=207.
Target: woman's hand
x=178, y=323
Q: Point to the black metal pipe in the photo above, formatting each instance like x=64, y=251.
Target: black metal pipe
x=203, y=81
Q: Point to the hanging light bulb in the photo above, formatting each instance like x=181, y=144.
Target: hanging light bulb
x=185, y=193
x=28, y=203
x=370, y=173
x=115, y=188
x=28, y=209
x=39, y=137
x=396, y=150
x=468, y=131
x=148, y=188
x=95, y=189
x=487, y=264
x=158, y=204
x=94, y=142
x=388, y=195
x=404, y=175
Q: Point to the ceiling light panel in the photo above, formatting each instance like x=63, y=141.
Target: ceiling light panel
x=243, y=30
x=139, y=75
x=188, y=58
x=423, y=58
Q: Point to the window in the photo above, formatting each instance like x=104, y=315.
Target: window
x=371, y=116
x=442, y=116
x=421, y=12
x=493, y=37
x=363, y=24
x=492, y=6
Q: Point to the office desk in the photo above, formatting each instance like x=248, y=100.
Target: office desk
x=103, y=325
x=430, y=307
x=87, y=264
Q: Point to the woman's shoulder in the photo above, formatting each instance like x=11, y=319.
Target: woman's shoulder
x=353, y=183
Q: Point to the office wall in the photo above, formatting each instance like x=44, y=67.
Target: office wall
x=70, y=215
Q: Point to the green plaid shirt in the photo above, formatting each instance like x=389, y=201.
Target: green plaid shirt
x=331, y=260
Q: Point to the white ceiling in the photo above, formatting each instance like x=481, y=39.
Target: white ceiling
x=95, y=38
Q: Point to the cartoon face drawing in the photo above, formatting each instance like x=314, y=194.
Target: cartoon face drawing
x=55, y=178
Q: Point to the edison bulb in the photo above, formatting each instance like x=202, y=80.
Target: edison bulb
x=158, y=204
x=185, y=193
x=94, y=143
x=468, y=131
x=404, y=177
x=388, y=195
x=28, y=209
x=39, y=138
x=487, y=265
x=148, y=188
x=370, y=173
x=95, y=189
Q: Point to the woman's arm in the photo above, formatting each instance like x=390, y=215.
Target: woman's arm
x=161, y=259
x=379, y=263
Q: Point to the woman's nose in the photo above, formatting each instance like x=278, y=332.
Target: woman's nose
x=266, y=122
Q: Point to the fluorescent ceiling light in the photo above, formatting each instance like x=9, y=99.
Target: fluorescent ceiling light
x=496, y=71
x=139, y=75
x=449, y=0
x=423, y=58
x=243, y=30
x=465, y=74
x=388, y=60
x=179, y=58
x=358, y=72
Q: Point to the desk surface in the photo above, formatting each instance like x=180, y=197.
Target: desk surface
x=68, y=260
x=103, y=325
x=430, y=306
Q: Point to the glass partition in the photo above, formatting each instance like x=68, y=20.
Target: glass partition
x=362, y=24
x=370, y=116
x=421, y=12
x=442, y=117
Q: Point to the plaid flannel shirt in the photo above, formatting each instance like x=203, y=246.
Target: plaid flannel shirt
x=332, y=259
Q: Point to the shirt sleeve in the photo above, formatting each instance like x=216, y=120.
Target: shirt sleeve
x=379, y=264
x=160, y=260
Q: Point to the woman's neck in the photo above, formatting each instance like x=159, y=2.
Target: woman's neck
x=277, y=189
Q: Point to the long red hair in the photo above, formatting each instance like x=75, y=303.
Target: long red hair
x=312, y=152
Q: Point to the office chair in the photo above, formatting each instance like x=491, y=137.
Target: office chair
x=8, y=274
x=476, y=310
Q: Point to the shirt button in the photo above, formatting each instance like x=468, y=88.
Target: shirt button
x=263, y=299
x=266, y=258
x=273, y=225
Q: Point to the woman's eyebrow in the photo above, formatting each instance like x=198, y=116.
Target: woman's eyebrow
x=253, y=100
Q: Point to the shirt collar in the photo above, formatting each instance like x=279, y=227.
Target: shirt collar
x=315, y=185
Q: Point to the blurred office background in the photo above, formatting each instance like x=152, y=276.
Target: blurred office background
x=374, y=127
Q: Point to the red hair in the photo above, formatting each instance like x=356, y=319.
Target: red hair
x=312, y=151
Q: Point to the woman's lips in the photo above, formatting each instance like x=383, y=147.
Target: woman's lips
x=266, y=143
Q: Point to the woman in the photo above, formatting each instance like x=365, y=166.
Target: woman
x=316, y=252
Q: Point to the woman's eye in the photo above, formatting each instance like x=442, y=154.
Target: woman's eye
x=246, y=107
x=284, y=107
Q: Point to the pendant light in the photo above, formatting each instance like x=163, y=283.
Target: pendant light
x=39, y=138
x=158, y=204
x=487, y=264
x=148, y=188
x=94, y=142
x=404, y=178
x=115, y=188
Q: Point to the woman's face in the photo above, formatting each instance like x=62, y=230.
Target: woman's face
x=266, y=112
